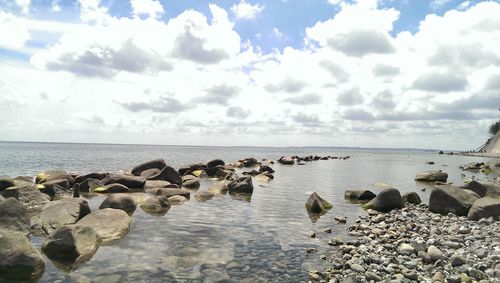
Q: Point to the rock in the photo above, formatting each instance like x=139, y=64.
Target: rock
x=19, y=260
x=14, y=216
x=438, y=277
x=219, y=188
x=57, y=182
x=249, y=162
x=112, y=188
x=51, y=175
x=435, y=254
x=153, y=164
x=476, y=187
x=6, y=182
x=1, y=198
x=241, y=185
x=357, y=268
x=406, y=249
x=71, y=245
x=156, y=205
x=202, y=196
x=119, y=201
x=168, y=174
x=132, y=182
x=315, y=204
x=29, y=195
x=154, y=184
x=360, y=195
x=484, y=208
x=168, y=192
x=457, y=260
x=90, y=184
x=265, y=168
x=215, y=163
x=448, y=199
x=412, y=198
x=96, y=176
x=147, y=174
x=191, y=183
x=385, y=201
x=263, y=178
x=200, y=174
x=57, y=214
x=492, y=191
x=432, y=176
x=372, y=276
x=288, y=160
x=410, y=274
x=110, y=224
x=177, y=200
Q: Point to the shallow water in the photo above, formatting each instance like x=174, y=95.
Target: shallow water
x=261, y=240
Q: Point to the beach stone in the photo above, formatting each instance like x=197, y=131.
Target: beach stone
x=119, y=201
x=191, y=183
x=435, y=254
x=168, y=174
x=457, y=260
x=412, y=198
x=372, y=276
x=215, y=163
x=129, y=181
x=241, y=185
x=51, y=175
x=410, y=274
x=112, y=189
x=219, y=188
x=386, y=201
x=96, y=176
x=147, y=174
x=361, y=195
x=406, y=249
x=73, y=244
x=449, y=199
x=438, y=277
x=57, y=214
x=476, y=187
x=432, y=176
x=28, y=195
x=316, y=204
x=202, y=196
x=152, y=164
x=177, y=199
x=110, y=224
x=19, y=260
x=168, y=192
x=14, y=216
x=156, y=205
x=484, y=208
x=6, y=182
x=357, y=268
x=90, y=184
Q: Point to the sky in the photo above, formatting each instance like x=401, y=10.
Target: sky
x=360, y=73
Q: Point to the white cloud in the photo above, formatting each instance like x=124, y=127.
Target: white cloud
x=277, y=34
x=246, y=11
x=151, y=8
x=13, y=31
x=55, y=6
x=437, y=4
x=24, y=5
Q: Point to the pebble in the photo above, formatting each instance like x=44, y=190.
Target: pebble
x=457, y=260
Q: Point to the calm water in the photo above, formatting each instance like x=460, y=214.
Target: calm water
x=261, y=240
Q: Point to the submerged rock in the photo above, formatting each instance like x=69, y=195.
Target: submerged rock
x=432, y=176
x=484, y=208
x=449, y=199
x=110, y=224
x=19, y=260
x=386, y=201
x=14, y=216
x=70, y=246
x=202, y=196
x=119, y=201
x=219, y=188
x=57, y=214
x=177, y=199
x=157, y=205
x=168, y=192
x=316, y=204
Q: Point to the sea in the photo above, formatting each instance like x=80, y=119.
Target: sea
x=266, y=238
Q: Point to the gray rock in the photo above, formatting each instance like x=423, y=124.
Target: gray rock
x=6, y=182
x=14, y=216
x=406, y=249
x=19, y=260
x=438, y=277
x=28, y=195
x=95, y=176
x=412, y=198
x=410, y=274
x=357, y=268
x=168, y=192
x=215, y=163
x=435, y=254
x=202, y=196
x=484, y=208
x=385, y=201
x=112, y=189
x=146, y=174
x=476, y=187
x=57, y=214
x=156, y=205
x=153, y=164
x=457, y=260
x=360, y=195
x=168, y=174
x=110, y=224
x=51, y=175
x=432, y=176
x=219, y=188
x=119, y=201
x=316, y=204
x=90, y=184
x=241, y=185
x=449, y=199
x=71, y=245
x=129, y=181
x=177, y=200
x=191, y=183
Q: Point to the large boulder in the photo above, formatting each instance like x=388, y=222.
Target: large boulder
x=157, y=205
x=432, y=176
x=30, y=196
x=63, y=183
x=265, y=168
x=412, y=198
x=57, y=214
x=241, y=185
x=6, y=182
x=97, y=176
x=484, y=208
x=168, y=192
x=153, y=164
x=147, y=174
x=71, y=245
x=359, y=195
x=155, y=184
x=112, y=189
x=119, y=201
x=286, y=160
x=249, y=162
x=109, y=223
x=190, y=182
x=215, y=163
x=386, y=201
x=19, y=260
x=315, y=204
x=168, y=174
x=492, y=191
x=132, y=182
x=51, y=175
x=90, y=184
x=14, y=216
x=449, y=199
x=476, y=187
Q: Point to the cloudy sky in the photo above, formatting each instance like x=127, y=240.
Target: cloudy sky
x=363, y=73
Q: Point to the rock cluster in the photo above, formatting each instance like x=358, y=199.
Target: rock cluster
x=291, y=160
